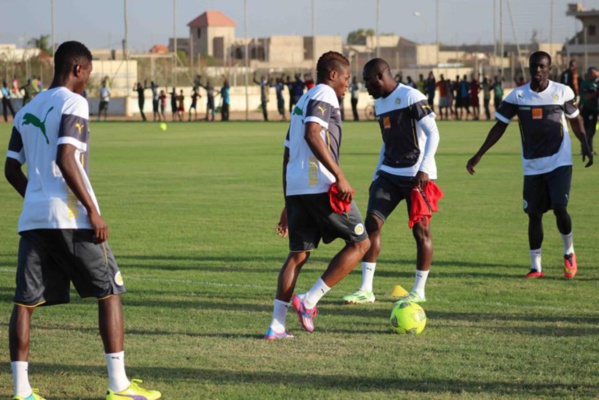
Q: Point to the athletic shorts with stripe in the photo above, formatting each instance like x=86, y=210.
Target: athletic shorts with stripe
x=387, y=191
x=543, y=191
x=49, y=259
x=310, y=218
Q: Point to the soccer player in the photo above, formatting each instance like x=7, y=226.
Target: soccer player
x=541, y=106
x=310, y=167
x=407, y=159
x=63, y=236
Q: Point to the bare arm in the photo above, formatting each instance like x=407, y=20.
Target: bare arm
x=321, y=152
x=15, y=176
x=65, y=159
x=493, y=137
x=578, y=129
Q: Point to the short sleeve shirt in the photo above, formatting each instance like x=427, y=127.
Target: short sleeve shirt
x=305, y=174
x=54, y=117
x=543, y=129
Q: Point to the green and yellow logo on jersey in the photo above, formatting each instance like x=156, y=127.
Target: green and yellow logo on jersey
x=30, y=119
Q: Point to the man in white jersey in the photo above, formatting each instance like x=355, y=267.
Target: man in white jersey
x=542, y=107
x=63, y=236
x=310, y=168
x=407, y=159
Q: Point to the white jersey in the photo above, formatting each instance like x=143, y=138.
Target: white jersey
x=410, y=134
x=104, y=93
x=54, y=117
x=305, y=174
x=543, y=129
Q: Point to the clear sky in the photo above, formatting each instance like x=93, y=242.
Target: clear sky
x=100, y=23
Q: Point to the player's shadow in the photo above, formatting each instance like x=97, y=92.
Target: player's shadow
x=209, y=263
x=360, y=384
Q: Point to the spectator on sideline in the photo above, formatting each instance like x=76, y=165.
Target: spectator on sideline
x=354, y=89
x=226, y=100
x=431, y=87
x=181, y=105
x=279, y=88
x=474, y=101
x=141, y=99
x=194, y=104
x=6, y=102
x=155, y=101
x=589, y=99
x=443, y=97
x=162, y=97
x=174, y=106
x=570, y=77
x=104, y=100
x=264, y=86
x=210, y=107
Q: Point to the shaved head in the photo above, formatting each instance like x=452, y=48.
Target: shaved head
x=377, y=78
x=377, y=66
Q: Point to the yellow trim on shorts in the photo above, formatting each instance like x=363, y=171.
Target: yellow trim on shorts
x=301, y=251
x=105, y=254
x=27, y=306
x=105, y=297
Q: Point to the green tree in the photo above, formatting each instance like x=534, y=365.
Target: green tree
x=359, y=36
x=42, y=43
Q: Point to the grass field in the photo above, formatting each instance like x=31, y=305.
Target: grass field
x=192, y=213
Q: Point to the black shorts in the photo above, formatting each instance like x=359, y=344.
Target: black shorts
x=310, y=218
x=103, y=105
x=541, y=192
x=49, y=259
x=387, y=191
x=155, y=105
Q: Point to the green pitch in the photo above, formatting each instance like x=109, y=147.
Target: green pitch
x=192, y=214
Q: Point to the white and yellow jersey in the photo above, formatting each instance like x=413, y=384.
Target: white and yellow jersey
x=54, y=117
x=305, y=174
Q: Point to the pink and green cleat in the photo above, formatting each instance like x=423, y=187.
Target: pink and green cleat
x=272, y=335
x=305, y=315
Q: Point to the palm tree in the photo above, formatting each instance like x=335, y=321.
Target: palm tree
x=42, y=43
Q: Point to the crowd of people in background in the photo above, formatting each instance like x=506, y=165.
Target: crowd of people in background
x=457, y=99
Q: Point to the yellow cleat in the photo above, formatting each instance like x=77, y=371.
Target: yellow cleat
x=33, y=396
x=134, y=391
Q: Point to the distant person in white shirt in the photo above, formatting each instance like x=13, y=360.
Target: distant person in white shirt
x=104, y=99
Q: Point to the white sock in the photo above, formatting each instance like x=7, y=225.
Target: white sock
x=279, y=314
x=420, y=282
x=20, y=378
x=535, y=260
x=568, y=243
x=367, y=275
x=314, y=295
x=117, y=378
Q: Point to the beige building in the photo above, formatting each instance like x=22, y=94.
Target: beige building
x=584, y=46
